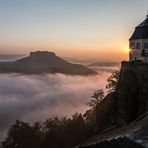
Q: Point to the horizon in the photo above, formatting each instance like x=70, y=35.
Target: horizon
x=77, y=59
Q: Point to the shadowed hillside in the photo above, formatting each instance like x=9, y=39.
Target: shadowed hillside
x=44, y=62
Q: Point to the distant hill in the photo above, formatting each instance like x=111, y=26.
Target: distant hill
x=44, y=62
x=99, y=64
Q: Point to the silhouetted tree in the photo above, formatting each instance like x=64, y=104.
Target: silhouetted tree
x=22, y=135
x=97, y=96
x=113, y=81
x=52, y=132
x=90, y=115
x=64, y=132
x=75, y=130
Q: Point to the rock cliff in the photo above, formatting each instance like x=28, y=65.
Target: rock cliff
x=122, y=117
x=132, y=91
x=131, y=99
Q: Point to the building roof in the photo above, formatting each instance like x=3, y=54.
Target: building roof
x=141, y=31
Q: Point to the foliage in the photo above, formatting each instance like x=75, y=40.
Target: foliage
x=22, y=135
x=97, y=96
x=113, y=81
x=64, y=132
x=54, y=132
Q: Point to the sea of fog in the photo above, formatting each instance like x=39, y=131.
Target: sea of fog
x=37, y=97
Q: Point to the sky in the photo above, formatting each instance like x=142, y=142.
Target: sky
x=71, y=28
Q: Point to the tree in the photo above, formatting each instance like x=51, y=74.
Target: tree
x=22, y=135
x=97, y=96
x=74, y=130
x=63, y=132
x=90, y=115
x=52, y=133
x=113, y=81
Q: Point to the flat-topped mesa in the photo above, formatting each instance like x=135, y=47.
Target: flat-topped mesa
x=44, y=62
x=41, y=54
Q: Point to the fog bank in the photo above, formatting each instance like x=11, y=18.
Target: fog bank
x=36, y=97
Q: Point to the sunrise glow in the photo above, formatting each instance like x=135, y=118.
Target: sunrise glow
x=69, y=28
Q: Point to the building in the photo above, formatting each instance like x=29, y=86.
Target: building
x=138, y=43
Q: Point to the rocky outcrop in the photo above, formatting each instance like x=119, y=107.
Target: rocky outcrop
x=44, y=62
x=105, y=112
x=131, y=99
x=116, y=114
x=132, y=91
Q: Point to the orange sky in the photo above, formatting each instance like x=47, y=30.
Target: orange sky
x=86, y=29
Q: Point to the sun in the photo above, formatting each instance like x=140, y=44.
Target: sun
x=125, y=49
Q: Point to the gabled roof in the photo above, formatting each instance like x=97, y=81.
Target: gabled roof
x=141, y=31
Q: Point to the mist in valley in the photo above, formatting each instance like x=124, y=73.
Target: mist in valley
x=37, y=97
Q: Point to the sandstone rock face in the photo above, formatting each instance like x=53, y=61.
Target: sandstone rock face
x=105, y=112
x=131, y=99
x=132, y=91
x=129, y=102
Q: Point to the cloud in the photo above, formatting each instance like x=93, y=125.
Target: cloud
x=36, y=97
